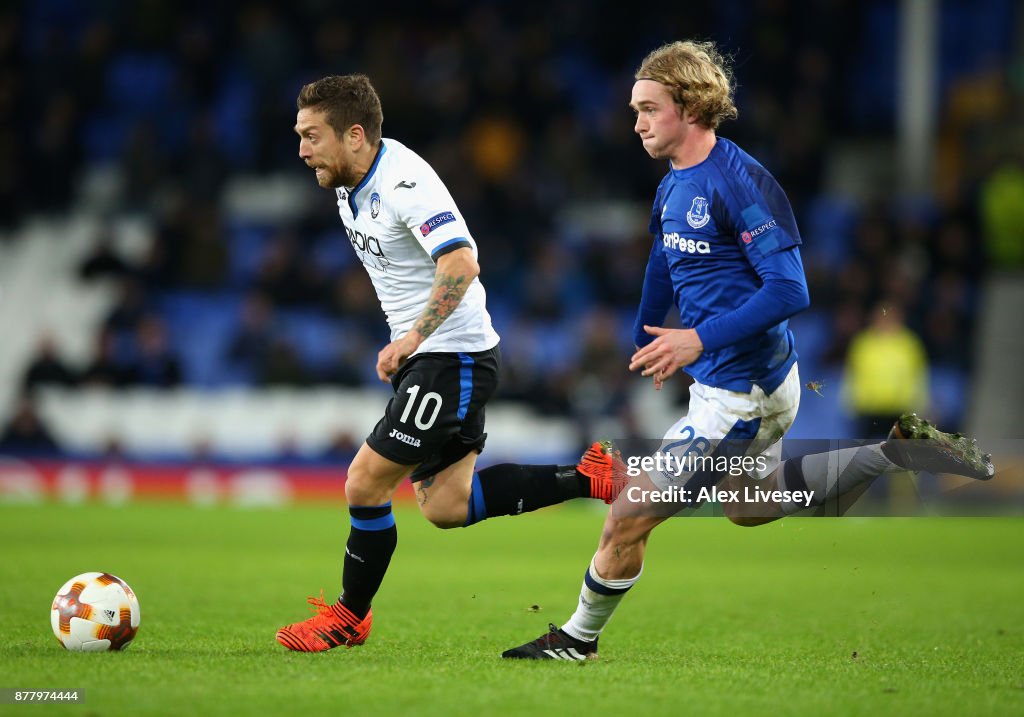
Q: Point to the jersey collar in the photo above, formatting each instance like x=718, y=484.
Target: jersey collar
x=365, y=180
x=688, y=172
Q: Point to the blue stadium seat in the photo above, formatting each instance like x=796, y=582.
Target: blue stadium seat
x=558, y=345
x=813, y=332
x=332, y=252
x=948, y=397
x=140, y=83
x=233, y=114
x=873, y=93
x=247, y=244
x=974, y=36
x=104, y=136
x=827, y=227
x=315, y=336
x=200, y=326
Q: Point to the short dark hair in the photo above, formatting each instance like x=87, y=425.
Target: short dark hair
x=345, y=100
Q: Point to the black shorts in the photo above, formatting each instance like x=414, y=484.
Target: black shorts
x=437, y=414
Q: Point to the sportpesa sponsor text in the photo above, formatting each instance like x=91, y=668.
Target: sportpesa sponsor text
x=673, y=240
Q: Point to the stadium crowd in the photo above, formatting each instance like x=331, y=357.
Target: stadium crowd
x=522, y=110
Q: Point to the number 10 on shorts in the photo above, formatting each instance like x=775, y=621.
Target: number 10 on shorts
x=428, y=400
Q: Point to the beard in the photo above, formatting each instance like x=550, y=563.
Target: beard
x=328, y=178
x=335, y=177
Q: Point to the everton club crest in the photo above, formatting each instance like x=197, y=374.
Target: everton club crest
x=698, y=215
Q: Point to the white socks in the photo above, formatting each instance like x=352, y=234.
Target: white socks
x=598, y=599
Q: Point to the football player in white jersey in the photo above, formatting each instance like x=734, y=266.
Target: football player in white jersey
x=443, y=359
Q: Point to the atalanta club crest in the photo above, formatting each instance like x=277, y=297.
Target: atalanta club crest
x=698, y=215
x=374, y=205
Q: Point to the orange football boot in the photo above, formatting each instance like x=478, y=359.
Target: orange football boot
x=605, y=469
x=332, y=626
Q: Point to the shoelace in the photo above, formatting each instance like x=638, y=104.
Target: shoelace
x=323, y=610
x=545, y=640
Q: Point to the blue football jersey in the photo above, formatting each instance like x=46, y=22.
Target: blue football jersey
x=726, y=254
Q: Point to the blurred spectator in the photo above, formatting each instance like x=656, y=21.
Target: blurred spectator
x=156, y=364
x=351, y=297
x=602, y=371
x=350, y=363
x=341, y=449
x=284, y=367
x=554, y=288
x=54, y=150
x=288, y=447
x=600, y=384
x=47, y=368
x=108, y=367
x=113, y=450
x=26, y=433
x=947, y=329
x=1002, y=211
x=103, y=262
x=528, y=127
x=886, y=372
x=144, y=166
x=203, y=254
x=201, y=168
x=284, y=274
x=251, y=345
x=159, y=268
x=130, y=308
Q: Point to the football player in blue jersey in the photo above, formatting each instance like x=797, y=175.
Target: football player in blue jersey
x=726, y=254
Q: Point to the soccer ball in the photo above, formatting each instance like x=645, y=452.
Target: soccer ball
x=95, y=612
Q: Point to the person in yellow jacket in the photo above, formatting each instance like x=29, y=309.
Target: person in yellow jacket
x=886, y=372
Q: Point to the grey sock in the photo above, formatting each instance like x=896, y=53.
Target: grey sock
x=832, y=473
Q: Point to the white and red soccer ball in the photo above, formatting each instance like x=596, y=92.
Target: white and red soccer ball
x=95, y=612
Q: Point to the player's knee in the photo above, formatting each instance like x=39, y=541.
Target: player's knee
x=363, y=488
x=747, y=521
x=444, y=518
x=742, y=520
x=354, y=488
x=446, y=522
x=737, y=516
x=622, y=532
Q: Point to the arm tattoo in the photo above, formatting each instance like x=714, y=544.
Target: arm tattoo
x=445, y=295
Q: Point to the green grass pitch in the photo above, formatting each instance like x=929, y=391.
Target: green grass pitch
x=805, y=616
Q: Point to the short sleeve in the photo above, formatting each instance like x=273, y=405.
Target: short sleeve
x=765, y=224
x=426, y=207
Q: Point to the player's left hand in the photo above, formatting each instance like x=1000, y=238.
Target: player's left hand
x=391, y=357
x=671, y=350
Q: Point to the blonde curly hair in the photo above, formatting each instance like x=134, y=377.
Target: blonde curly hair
x=698, y=77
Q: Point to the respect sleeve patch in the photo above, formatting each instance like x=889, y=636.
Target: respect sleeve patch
x=759, y=225
x=436, y=221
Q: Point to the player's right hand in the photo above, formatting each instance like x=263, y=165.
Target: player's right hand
x=671, y=350
x=391, y=357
